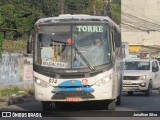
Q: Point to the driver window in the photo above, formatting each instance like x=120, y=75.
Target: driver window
x=155, y=66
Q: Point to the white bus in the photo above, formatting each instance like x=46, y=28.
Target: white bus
x=70, y=67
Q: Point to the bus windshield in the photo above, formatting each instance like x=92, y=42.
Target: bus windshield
x=73, y=46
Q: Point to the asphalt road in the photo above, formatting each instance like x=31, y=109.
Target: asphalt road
x=136, y=104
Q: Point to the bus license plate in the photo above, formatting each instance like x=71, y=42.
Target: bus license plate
x=73, y=99
x=128, y=83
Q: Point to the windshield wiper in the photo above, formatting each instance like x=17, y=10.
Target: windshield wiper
x=84, y=59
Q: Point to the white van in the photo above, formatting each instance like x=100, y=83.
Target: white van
x=141, y=75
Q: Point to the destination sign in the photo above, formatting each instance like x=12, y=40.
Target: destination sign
x=90, y=28
x=54, y=64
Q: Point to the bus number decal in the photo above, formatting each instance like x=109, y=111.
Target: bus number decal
x=52, y=80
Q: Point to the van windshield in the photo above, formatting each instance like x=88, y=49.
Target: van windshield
x=136, y=65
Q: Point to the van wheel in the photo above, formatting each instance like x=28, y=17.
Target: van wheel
x=149, y=91
x=118, y=102
x=46, y=106
x=130, y=93
x=159, y=91
x=112, y=105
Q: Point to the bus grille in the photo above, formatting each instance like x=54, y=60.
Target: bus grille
x=81, y=94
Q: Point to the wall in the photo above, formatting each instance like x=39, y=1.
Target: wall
x=14, y=68
x=138, y=11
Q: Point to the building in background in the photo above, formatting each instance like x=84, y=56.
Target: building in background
x=140, y=26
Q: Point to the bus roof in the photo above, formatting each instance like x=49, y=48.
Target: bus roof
x=80, y=17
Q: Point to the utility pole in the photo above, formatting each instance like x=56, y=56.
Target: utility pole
x=94, y=10
x=93, y=4
x=62, y=6
x=107, y=8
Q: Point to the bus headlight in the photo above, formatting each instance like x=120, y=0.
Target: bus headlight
x=104, y=81
x=41, y=82
x=143, y=77
x=38, y=81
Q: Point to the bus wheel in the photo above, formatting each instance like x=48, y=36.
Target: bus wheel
x=130, y=93
x=112, y=105
x=47, y=106
x=118, y=102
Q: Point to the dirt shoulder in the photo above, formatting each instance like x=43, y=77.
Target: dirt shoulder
x=21, y=97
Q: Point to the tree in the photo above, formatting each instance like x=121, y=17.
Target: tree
x=1, y=41
x=48, y=7
x=116, y=11
x=19, y=15
x=75, y=6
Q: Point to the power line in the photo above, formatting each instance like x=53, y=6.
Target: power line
x=144, y=20
x=137, y=22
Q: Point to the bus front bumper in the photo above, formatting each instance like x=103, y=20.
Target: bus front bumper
x=47, y=94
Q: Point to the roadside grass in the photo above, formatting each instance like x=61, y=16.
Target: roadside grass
x=15, y=95
x=9, y=91
x=23, y=89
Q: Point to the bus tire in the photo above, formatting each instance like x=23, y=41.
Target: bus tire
x=46, y=106
x=59, y=104
x=118, y=102
x=112, y=105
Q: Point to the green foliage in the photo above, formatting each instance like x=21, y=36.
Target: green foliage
x=1, y=19
x=20, y=15
x=75, y=6
x=1, y=41
x=15, y=45
x=116, y=2
x=48, y=8
x=116, y=11
x=9, y=91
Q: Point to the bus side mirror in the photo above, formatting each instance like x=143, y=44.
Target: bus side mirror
x=29, y=47
x=29, y=42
